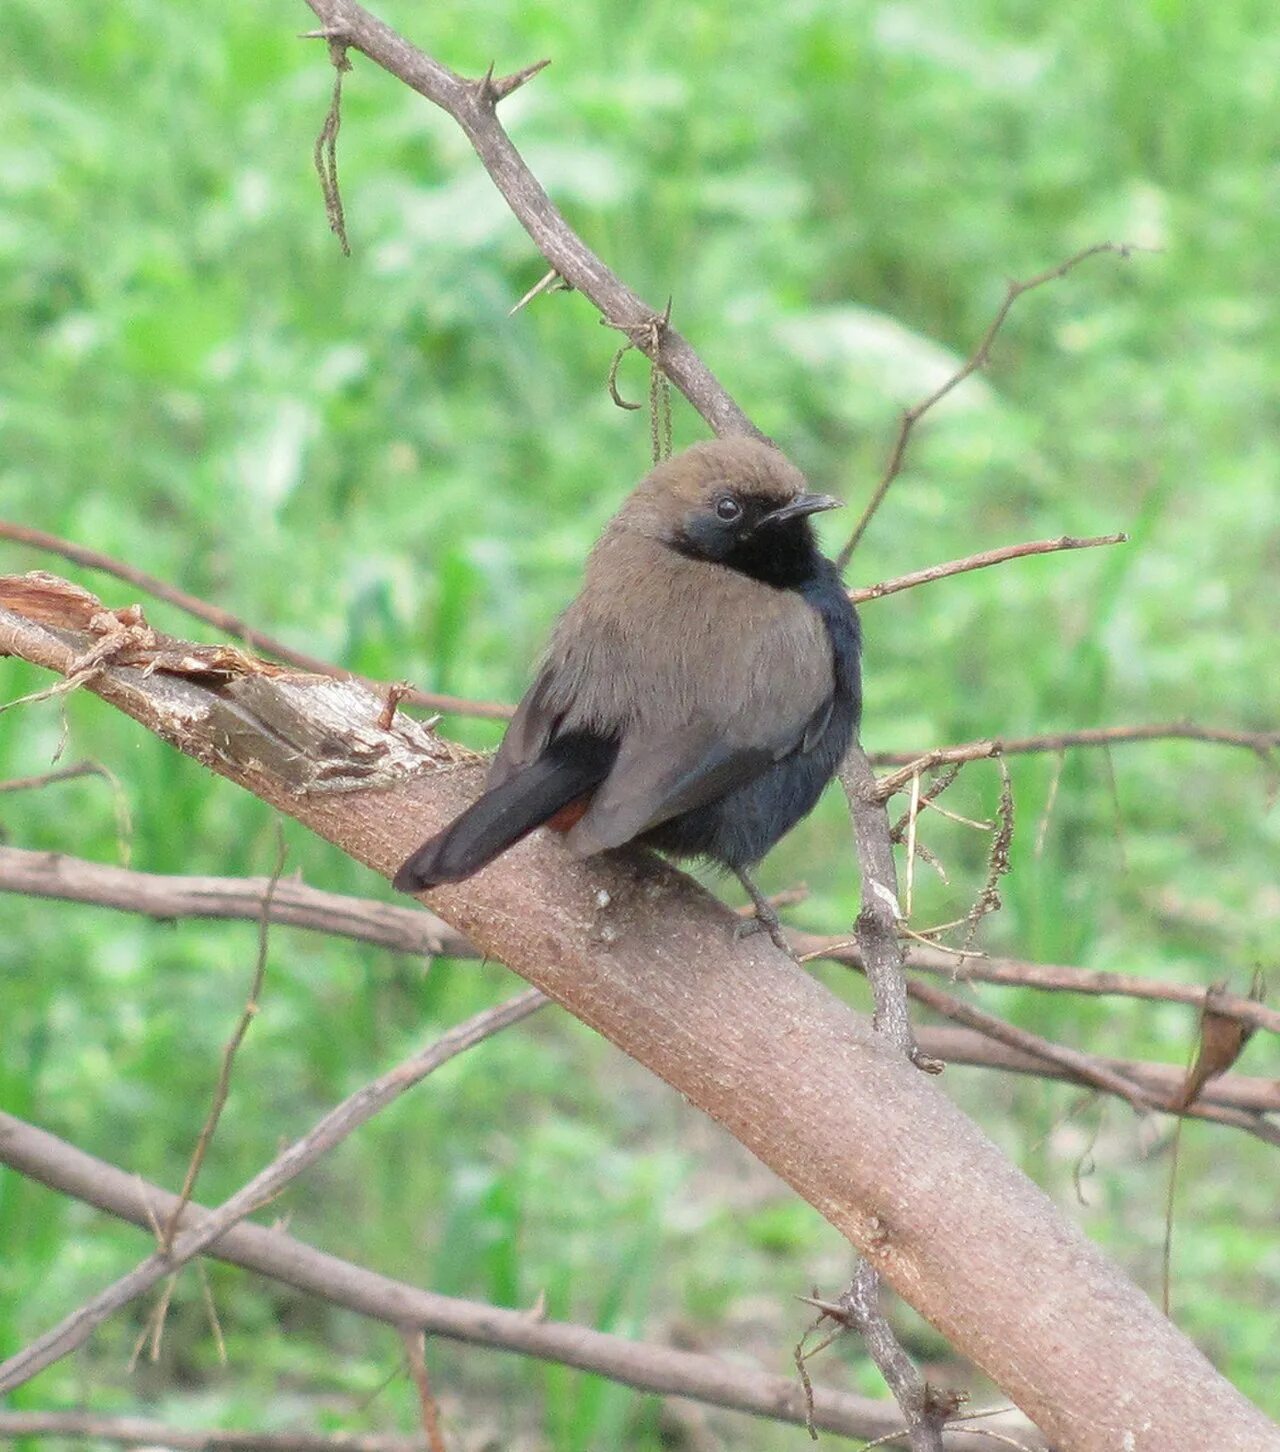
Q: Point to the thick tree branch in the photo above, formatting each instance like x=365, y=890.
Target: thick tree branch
x=230, y=624
x=272, y=1252
x=648, y=959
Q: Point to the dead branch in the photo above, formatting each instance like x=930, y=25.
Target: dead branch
x=1085, y=1068
x=229, y=624
x=76, y=1328
x=1261, y=743
x=979, y=358
x=957, y=1045
x=643, y=955
x=982, y=561
x=273, y=1253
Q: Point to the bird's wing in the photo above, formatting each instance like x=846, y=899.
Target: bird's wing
x=531, y=729
x=658, y=777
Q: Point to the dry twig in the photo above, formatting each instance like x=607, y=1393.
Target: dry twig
x=75, y=1329
x=977, y=359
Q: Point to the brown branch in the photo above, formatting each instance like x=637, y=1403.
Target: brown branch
x=981, y=561
x=1262, y=743
x=415, y=1347
x=736, y=1028
x=925, y=1408
x=977, y=359
x=472, y=104
x=384, y=924
x=233, y=625
x=1085, y=1068
x=272, y=1252
x=965, y=1046
x=354, y=1111
x=416, y=931
x=49, y=778
x=143, y=1432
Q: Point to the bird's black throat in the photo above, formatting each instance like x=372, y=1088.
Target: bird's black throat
x=784, y=555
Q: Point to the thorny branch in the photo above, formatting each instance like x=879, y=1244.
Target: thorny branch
x=925, y=1407
x=977, y=359
x=473, y=105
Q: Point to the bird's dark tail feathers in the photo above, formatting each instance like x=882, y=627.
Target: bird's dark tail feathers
x=571, y=767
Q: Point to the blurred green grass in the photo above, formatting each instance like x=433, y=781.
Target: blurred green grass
x=368, y=458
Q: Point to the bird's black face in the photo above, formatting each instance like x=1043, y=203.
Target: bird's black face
x=763, y=536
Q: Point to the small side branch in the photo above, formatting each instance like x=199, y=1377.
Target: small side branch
x=981, y=561
x=1262, y=743
x=977, y=359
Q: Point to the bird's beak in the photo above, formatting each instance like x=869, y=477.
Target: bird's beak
x=801, y=505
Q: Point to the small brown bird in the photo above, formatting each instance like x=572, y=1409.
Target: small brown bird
x=696, y=696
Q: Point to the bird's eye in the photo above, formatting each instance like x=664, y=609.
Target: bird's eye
x=728, y=508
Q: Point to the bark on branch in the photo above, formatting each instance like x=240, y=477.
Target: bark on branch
x=647, y=958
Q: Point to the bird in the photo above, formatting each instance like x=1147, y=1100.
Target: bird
x=696, y=696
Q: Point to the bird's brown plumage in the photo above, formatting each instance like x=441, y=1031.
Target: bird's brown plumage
x=697, y=694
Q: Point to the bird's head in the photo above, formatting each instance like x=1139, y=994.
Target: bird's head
x=733, y=502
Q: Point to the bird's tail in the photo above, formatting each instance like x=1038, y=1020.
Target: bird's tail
x=564, y=773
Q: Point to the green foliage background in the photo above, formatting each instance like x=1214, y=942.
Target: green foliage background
x=371, y=459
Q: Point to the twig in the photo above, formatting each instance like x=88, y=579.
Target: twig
x=472, y=104
x=925, y=1408
x=230, y=624
x=75, y=1329
x=48, y=778
x=981, y=561
x=272, y=1252
x=1086, y=1068
x=1261, y=743
x=415, y=1349
x=326, y=148
x=965, y=1046
x=976, y=360
x=223, y=1086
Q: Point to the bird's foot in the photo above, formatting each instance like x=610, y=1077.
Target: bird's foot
x=764, y=920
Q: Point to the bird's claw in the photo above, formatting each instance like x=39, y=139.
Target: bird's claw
x=760, y=923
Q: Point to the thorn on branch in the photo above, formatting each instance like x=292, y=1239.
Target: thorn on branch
x=549, y=282
x=489, y=90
